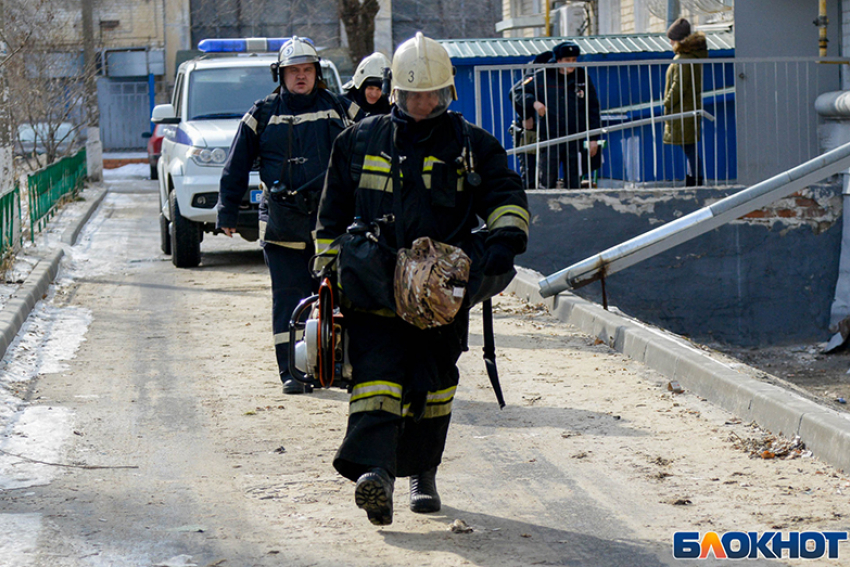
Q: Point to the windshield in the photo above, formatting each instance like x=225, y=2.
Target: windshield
x=227, y=92
x=331, y=79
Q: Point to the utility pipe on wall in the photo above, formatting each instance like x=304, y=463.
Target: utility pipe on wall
x=821, y=23
x=673, y=10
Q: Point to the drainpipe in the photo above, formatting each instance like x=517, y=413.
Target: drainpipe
x=821, y=23
x=673, y=10
x=546, y=19
x=834, y=108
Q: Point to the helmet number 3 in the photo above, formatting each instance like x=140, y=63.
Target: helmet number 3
x=411, y=77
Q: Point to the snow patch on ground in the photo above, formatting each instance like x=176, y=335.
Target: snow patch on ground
x=108, y=256
x=129, y=172
x=51, y=336
x=19, y=538
x=37, y=435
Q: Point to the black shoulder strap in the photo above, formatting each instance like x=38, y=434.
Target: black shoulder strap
x=265, y=113
x=361, y=142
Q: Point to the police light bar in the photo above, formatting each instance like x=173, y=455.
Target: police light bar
x=244, y=45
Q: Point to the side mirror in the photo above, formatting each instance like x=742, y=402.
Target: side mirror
x=146, y=135
x=164, y=114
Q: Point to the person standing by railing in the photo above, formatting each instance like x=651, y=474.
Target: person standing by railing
x=683, y=93
x=565, y=101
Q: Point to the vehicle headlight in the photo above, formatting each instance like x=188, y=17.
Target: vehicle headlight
x=210, y=157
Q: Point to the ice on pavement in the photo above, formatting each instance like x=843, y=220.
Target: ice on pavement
x=32, y=431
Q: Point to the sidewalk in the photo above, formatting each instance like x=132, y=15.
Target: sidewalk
x=43, y=262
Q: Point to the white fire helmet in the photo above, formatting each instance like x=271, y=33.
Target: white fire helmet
x=421, y=64
x=371, y=67
x=296, y=51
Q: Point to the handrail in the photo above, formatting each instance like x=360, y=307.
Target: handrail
x=608, y=129
x=694, y=224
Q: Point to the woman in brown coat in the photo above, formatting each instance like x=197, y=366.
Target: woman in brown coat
x=683, y=93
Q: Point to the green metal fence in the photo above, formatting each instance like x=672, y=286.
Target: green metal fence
x=49, y=186
x=10, y=221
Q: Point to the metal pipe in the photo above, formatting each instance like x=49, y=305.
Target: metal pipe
x=699, y=222
x=834, y=104
x=821, y=23
x=607, y=129
x=673, y=10
x=546, y=19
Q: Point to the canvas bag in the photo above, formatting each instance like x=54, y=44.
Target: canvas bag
x=430, y=283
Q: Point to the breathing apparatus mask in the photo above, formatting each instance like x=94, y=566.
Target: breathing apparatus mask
x=443, y=97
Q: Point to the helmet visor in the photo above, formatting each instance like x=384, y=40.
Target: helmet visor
x=423, y=105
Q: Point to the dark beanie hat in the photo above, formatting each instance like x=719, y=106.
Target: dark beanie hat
x=679, y=30
x=566, y=49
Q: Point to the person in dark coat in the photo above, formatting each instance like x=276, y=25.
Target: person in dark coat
x=565, y=101
x=524, y=128
x=683, y=93
x=364, y=88
x=290, y=133
x=417, y=170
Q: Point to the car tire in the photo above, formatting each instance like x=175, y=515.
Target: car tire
x=164, y=235
x=154, y=173
x=185, y=238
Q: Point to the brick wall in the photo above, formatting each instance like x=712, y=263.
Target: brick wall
x=117, y=23
x=139, y=23
x=813, y=206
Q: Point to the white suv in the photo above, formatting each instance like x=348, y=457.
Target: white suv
x=211, y=94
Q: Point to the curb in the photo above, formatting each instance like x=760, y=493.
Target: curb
x=826, y=432
x=21, y=303
x=71, y=233
x=16, y=310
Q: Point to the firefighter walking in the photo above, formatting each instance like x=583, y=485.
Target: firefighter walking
x=290, y=133
x=424, y=172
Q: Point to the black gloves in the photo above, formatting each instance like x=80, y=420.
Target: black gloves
x=497, y=259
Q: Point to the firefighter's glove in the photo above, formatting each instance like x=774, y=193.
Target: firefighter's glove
x=497, y=259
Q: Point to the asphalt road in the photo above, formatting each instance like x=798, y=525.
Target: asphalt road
x=164, y=440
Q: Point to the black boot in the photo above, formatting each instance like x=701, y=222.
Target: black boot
x=374, y=493
x=690, y=181
x=423, y=492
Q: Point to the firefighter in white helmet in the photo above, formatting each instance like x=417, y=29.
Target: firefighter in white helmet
x=420, y=171
x=290, y=133
x=365, y=85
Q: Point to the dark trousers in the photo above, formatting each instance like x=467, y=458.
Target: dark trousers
x=291, y=282
x=388, y=354
x=551, y=159
x=694, y=163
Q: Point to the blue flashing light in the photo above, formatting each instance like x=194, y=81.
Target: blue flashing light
x=245, y=45
x=276, y=43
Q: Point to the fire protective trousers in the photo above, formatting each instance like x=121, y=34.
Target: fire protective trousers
x=400, y=372
x=291, y=282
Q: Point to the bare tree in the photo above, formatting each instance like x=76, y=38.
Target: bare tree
x=358, y=17
x=14, y=38
x=46, y=81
